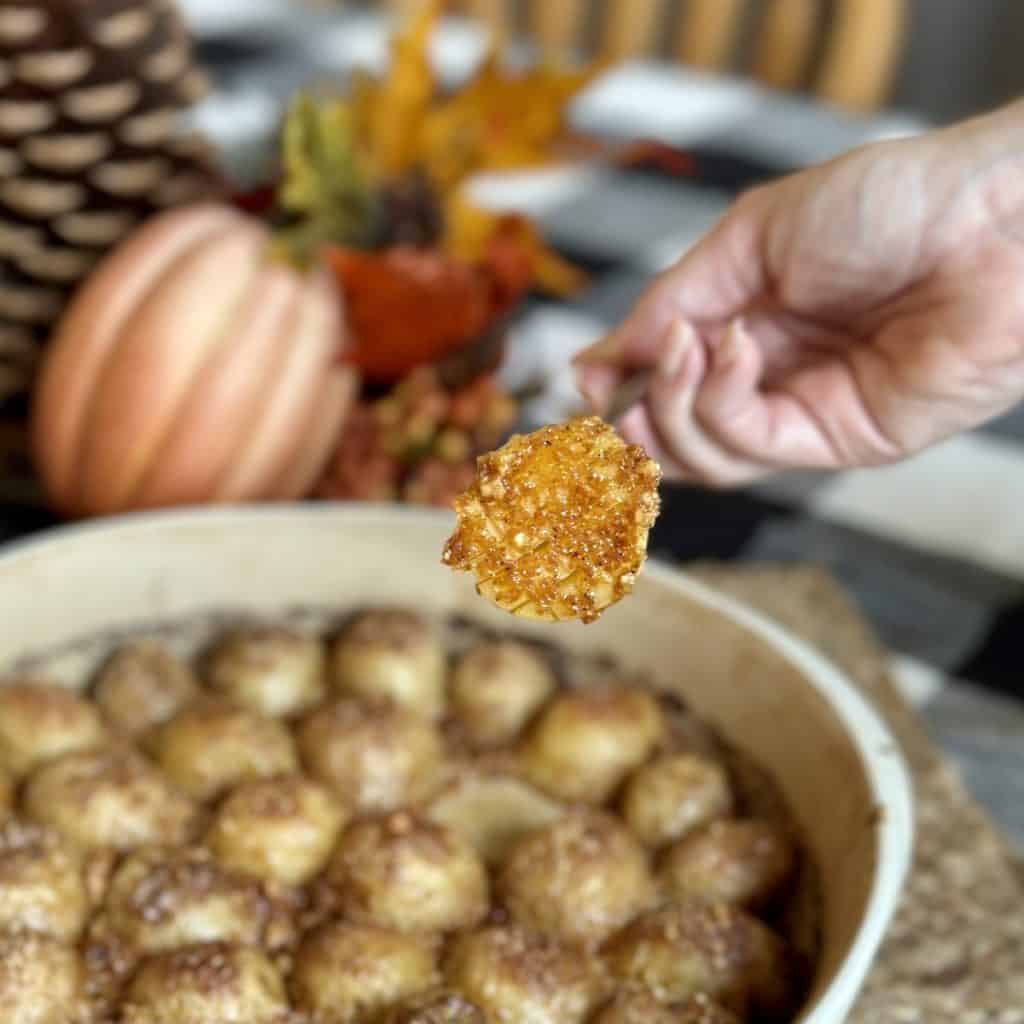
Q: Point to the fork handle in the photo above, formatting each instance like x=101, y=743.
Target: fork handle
x=630, y=391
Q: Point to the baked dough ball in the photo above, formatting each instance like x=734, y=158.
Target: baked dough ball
x=496, y=688
x=696, y=947
x=274, y=671
x=741, y=862
x=347, y=972
x=409, y=874
x=42, y=887
x=41, y=980
x=514, y=976
x=492, y=811
x=280, y=830
x=437, y=1007
x=161, y=899
x=586, y=742
x=212, y=746
x=143, y=685
x=108, y=798
x=642, y=1008
x=39, y=721
x=394, y=654
x=375, y=756
x=578, y=880
x=674, y=795
x=212, y=983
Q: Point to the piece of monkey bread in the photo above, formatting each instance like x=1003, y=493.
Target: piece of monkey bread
x=578, y=880
x=203, y=984
x=391, y=654
x=40, y=721
x=345, y=972
x=142, y=685
x=585, y=743
x=513, y=975
x=496, y=688
x=278, y=830
x=404, y=872
x=109, y=798
x=270, y=670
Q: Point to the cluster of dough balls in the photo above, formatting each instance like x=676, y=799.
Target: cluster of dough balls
x=367, y=830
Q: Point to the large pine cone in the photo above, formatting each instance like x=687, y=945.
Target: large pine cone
x=90, y=96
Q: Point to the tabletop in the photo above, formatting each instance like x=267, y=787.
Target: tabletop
x=932, y=548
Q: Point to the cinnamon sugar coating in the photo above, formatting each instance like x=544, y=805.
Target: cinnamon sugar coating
x=555, y=525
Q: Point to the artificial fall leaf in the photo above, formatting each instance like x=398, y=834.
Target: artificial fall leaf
x=391, y=114
x=500, y=120
x=324, y=189
x=508, y=243
x=407, y=306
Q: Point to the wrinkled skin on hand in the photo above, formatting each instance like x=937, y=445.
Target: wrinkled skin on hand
x=849, y=315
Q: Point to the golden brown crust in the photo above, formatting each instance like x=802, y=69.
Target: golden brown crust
x=375, y=756
x=204, y=984
x=41, y=980
x=270, y=670
x=393, y=655
x=42, y=887
x=143, y=685
x=496, y=688
x=347, y=972
x=279, y=830
x=685, y=949
x=555, y=525
x=39, y=721
x=160, y=899
x=514, y=976
x=409, y=874
x=741, y=862
x=670, y=797
x=577, y=880
x=586, y=742
x=109, y=798
x=211, y=746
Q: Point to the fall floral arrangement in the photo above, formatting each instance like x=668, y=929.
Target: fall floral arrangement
x=336, y=336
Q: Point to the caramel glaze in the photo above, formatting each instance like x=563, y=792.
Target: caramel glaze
x=555, y=524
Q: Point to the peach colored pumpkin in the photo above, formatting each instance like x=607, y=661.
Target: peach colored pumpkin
x=191, y=367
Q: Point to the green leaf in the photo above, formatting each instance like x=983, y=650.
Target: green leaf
x=324, y=190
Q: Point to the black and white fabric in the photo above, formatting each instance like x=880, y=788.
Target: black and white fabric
x=933, y=548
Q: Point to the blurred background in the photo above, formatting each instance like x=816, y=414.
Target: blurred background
x=959, y=58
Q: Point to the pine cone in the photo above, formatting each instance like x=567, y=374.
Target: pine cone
x=90, y=96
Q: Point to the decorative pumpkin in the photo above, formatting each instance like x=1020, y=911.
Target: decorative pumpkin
x=193, y=366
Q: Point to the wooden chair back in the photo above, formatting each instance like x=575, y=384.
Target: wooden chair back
x=844, y=51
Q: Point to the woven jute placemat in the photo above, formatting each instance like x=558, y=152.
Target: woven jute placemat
x=955, y=951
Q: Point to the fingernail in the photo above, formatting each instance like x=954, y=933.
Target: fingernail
x=607, y=350
x=733, y=344
x=681, y=337
x=585, y=383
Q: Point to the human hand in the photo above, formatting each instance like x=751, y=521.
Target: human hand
x=849, y=315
